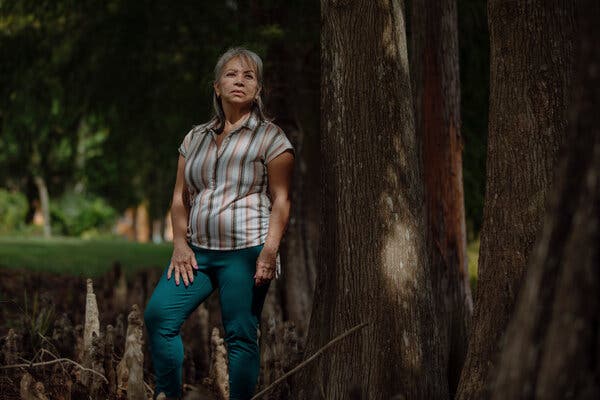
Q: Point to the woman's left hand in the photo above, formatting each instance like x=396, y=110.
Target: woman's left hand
x=265, y=266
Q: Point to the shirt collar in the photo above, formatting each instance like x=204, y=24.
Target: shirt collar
x=251, y=123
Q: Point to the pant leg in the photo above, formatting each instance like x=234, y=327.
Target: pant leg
x=241, y=307
x=168, y=307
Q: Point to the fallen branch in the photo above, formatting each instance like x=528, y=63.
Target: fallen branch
x=307, y=361
x=44, y=363
x=149, y=388
x=56, y=358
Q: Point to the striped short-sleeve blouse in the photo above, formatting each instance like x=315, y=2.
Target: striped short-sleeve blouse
x=229, y=200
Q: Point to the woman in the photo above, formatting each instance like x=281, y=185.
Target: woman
x=231, y=206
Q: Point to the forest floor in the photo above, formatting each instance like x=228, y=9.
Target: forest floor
x=41, y=280
x=34, y=303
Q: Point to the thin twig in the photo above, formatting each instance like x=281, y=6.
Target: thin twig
x=24, y=359
x=149, y=388
x=39, y=364
x=49, y=352
x=44, y=338
x=35, y=356
x=56, y=358
x=307, y=361
x=147, y=384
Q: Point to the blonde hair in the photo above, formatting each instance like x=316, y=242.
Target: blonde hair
x=251, y=58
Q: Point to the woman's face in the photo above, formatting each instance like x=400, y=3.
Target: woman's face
x=237, y=84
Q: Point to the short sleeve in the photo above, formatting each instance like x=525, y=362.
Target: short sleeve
x=185, y=144
x=279, y=144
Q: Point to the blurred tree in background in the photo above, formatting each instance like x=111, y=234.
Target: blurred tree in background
x=97, y=95
x=474, y=48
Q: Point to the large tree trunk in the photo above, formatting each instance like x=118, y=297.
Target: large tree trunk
x=530, y=70
x=551, y=349
x=371, y=256
x=436, y=89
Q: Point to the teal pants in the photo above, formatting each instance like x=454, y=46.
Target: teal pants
x=232, y=271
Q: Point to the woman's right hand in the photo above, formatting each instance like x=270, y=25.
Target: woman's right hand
x=182, y=262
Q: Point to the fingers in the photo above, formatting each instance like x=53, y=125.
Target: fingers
x=258, y=277
x=183, y=267
x=184, y=275
x=184, y=272
x=189, y=274
x=264, y=273
x=177, y=275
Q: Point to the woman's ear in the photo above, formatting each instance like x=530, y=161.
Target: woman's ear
x=216, y=89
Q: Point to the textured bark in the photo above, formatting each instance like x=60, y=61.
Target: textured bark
x=92, y=321
x=282, y=353
x=10, y=350
x=97, y=386
x=436, y=91
x=30, y=389
x=530, y=71
x=109, y=361
x=551, y=349
x=130, y=371
x=371, y=255
x=219, y=374
x=91, y=328
x=204, y=334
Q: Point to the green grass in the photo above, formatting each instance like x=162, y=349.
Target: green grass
x=473, y=257
x=82, y=257
x=95, y=256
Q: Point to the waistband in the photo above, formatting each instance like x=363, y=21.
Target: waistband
x=222, y=251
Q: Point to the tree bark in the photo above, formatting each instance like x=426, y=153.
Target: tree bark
x=530, y=70
x=436, y=91
x=551, y=349
x=371, y=255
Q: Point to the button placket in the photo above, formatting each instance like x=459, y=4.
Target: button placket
x=223, y=144
x=219, y=151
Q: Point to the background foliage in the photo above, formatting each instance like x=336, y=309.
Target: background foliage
x=95, y=96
